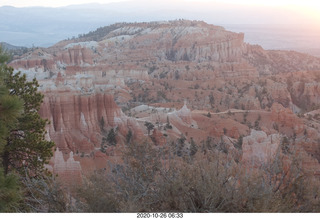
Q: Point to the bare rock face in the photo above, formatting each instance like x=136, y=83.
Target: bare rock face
x=158, y=137
x=77, y=120
x=270, y=62
x=68, y=170
x=309, y=163
x=77, y=124
x=88, y=80
x=185, y=114
x=279, y=92
x=306, y=94
x=259, y=148
x=130, y=49
x=76, y=55
x=286, y=118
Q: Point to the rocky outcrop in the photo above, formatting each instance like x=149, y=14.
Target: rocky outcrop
x=284, y=117
x=158, y=138
x=269, y=62
x=133, y=46
x=68, y=170
x=306, y=94
x=77, y=120
x=142, y=46
x=87, y=80
x=259, y=148
x=185, y=114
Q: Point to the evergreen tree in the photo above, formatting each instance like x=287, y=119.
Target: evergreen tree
x=193, y=147
x=25, y=146
x=10, y=106
x=9, y=192
x=10, y=109
x=149, y=126
x=168, y=125
x=129, y=136
x=180, y=145
x=111, y=138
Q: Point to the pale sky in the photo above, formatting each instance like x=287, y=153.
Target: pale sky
x=52, y=3
x=314, y=4
x=308, y=8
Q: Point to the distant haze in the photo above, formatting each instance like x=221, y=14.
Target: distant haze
x=52, y=3
x=273, y=27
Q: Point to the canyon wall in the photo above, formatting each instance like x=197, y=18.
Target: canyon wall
x=92, y=83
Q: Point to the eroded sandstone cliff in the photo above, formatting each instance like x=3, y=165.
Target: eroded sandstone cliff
x=196, y=83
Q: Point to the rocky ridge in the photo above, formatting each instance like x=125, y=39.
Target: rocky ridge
x=190, y=79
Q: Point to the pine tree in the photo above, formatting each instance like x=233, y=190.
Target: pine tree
x=193, y=147
x=129, y=136
x=168, y=125
x=9, y=192
x=149, y=126
x=10, y=106
x=111, y=138
x=25, y=147
x=10, y=110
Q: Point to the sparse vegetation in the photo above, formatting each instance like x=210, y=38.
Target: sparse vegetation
x=111, y=138
x=168, y=125
x=149, y=126
x=143, y=183
x=129, y=136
